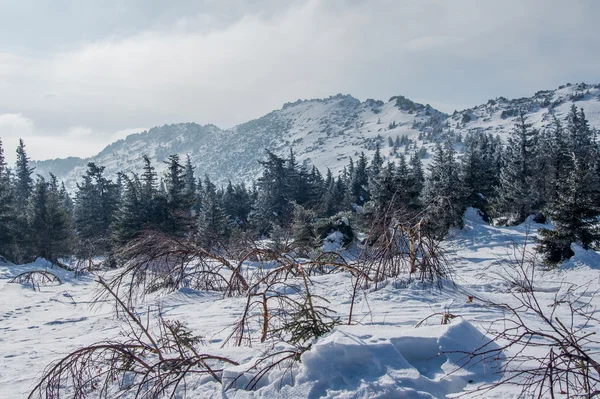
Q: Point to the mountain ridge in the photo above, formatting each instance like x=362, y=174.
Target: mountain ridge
x=323, y=132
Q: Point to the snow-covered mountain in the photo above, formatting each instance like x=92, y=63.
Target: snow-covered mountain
x=323, y=132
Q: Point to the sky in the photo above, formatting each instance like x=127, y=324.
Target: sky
x=78, y=75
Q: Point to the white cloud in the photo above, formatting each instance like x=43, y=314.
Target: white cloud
x=15, y=125
x=78, y=132
x=197, y=68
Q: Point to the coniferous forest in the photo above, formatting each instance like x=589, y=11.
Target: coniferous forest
x=552, y=174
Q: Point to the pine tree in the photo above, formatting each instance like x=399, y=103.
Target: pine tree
x=443, y=196
x=328, y=205
x=96, y=202
x=129, y=218
x=574, y=214
x=416, y=182
x=7, y=220
x=384, y=190
x=48, y=222
x=517, y=195
x=23, y=179
x=376, y=162
x=303, y=230
x=190, y=182
x=358, y=192
x=273, y=204
x=178, y=202
x=213, y=225
x=575, y=211
x=558, y=161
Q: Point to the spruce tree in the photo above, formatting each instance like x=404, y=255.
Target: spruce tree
x=575, y=211
x=48, y=222
x=376, y=162
x=23, y=179
x=443, y=195
x=574, y=214
x=190, y=182
x=517, y=194
x=130, y=217
x=7, y=213
x=96, y=202
x=213, y=224
x=178, y=201
x=358, y=192
x=273, y=204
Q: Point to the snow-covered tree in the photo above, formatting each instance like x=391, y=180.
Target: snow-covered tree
x=517, y=193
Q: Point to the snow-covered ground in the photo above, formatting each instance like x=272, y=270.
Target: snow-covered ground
x=382, y=356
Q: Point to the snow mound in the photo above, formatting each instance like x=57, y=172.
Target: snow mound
x=388, y=362
x=333, y=242
x=582, y=257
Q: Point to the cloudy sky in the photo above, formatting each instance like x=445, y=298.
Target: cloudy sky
x=76, y=75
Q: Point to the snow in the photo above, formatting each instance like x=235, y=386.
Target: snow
x=322, y=132
x=583, y=258
x=381, y=355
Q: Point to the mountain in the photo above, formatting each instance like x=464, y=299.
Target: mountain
x=324, y=132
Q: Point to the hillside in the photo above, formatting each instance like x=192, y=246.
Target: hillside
x=324, y=133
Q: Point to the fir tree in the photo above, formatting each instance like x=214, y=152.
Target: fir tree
x=23, y=179
x=6, y=207
x=443, y=196
x=303, y=229
x=213, y=225
x=376, y=162
x=48, y=222
x=178, y=201
x=96, y=202
x=574, y=214
x=358, y=186
x=517, y=195
x=190, y=182
x=129, y=218
x=273, y=204
x=575, y=211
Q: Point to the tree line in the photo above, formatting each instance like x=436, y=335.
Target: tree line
x=552, y=173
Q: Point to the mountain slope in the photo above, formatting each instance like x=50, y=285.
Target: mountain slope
x=324, y=133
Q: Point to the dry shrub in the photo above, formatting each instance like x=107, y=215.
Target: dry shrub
x=36, y=278
x=145, y=364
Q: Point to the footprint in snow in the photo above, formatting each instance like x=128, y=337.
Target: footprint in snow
x=65, y=321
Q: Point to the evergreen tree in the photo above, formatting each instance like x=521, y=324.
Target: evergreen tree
x=443, y=196
x=190, y=182
x=213, y=225
x=575, y=211
x=273, y=204
x=303, y=229
x=558, y=161
x=384, y=190
x=7, y=220
x=479, y=173
x=48, y=222
x=574, y=214
x=416, y=182
x=517, y=195
x=23, y=179
x=358, y=192
x=130, y=217
x=376, y=162
x=178, y=201
x=96, y=202
x=328, y=205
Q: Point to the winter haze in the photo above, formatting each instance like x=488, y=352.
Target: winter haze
x=76, y=76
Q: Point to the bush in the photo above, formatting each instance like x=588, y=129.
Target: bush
x=339, y=222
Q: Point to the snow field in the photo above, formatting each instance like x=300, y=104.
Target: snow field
x=382, y=355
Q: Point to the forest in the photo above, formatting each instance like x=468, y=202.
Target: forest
x=552, y=174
